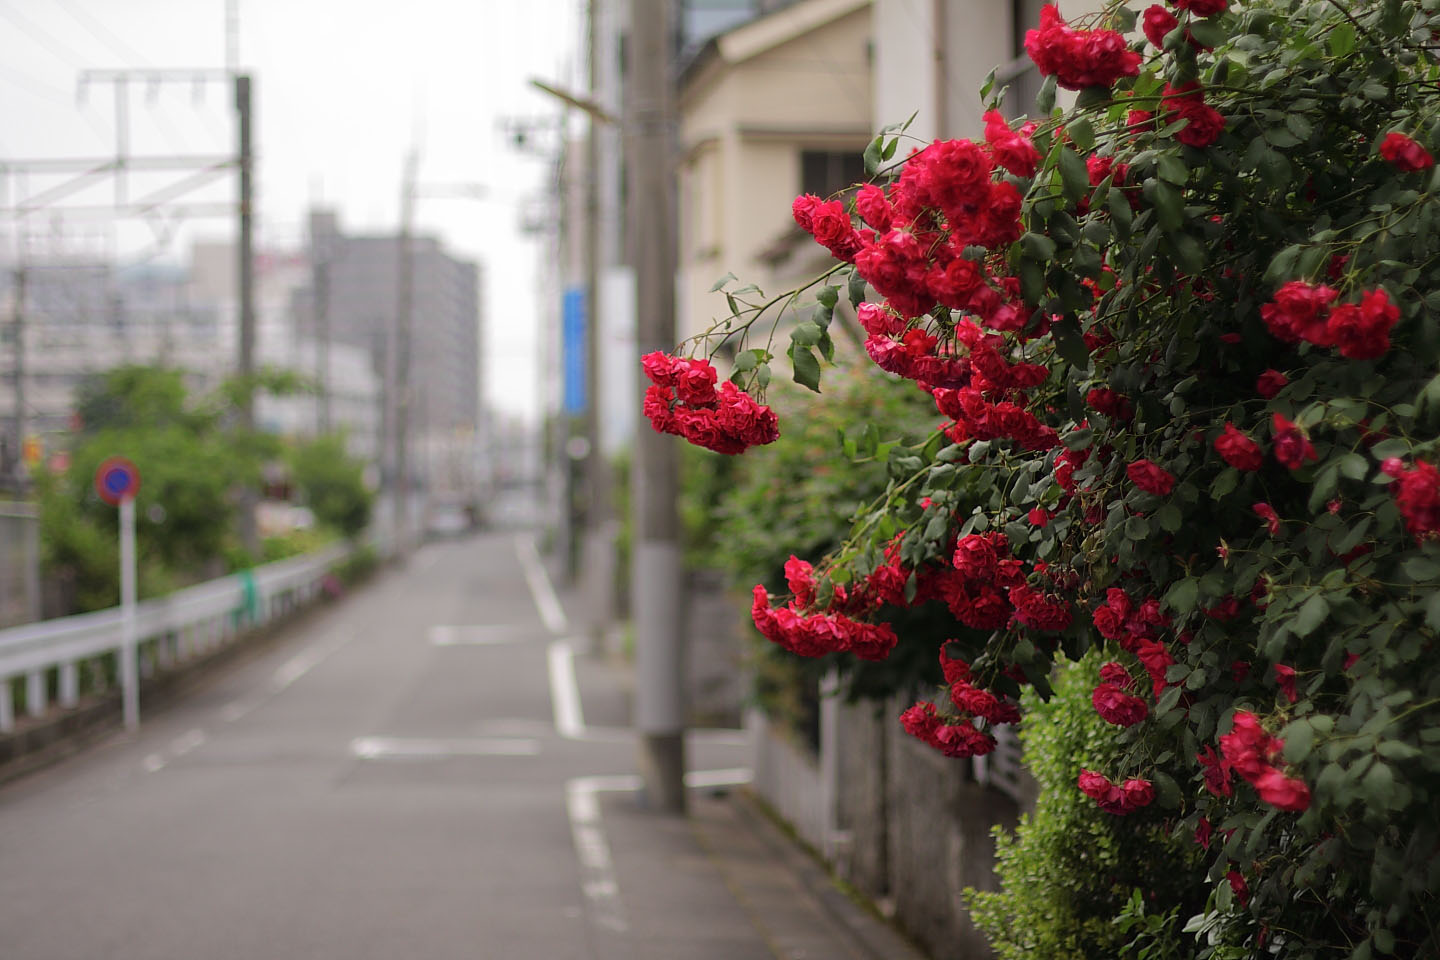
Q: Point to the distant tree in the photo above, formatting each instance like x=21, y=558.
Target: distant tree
x=332, y=483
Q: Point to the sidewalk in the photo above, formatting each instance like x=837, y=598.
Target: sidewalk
x=723, y=882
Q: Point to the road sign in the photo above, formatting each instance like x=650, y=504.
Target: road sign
x=117, y=479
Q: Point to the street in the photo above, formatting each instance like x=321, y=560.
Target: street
x=419, y=771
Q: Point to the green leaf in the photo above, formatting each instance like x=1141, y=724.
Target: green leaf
x=1120, y=212
x=746, y=360
x=1081, y=134
x=856, y=289
x=1208, y=33
x=1038, y=247
x=1074, y=175
x=720, y=284
x=807, y=368
x=1045, y=99
x=806, y=332
x=1341, y=40
x=1171, y=169
x=1379, y=785
x=1224, y=483
x=1299, y=736
x=1070, y=343
x=1422, y=569
x=1182, y=595
x=1169, y=518
x=1169, y=204
x=828, y=297
x=1311, y=615
x=872, y=155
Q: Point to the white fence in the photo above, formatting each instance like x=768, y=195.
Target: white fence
x=169, y=630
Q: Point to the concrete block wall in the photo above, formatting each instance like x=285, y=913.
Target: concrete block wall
x=906, y=826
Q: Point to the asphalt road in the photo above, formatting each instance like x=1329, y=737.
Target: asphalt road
x=411, y=774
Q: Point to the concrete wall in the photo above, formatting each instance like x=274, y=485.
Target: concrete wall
x=906, y=826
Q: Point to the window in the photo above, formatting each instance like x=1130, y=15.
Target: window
x=1020, y=73
x=823, y=172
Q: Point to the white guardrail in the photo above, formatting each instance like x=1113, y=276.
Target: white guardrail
x=178, y=627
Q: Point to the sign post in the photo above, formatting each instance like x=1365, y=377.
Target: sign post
x=117, y=481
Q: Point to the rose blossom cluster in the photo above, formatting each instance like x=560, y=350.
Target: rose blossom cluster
x=1204, y=123
x=1292, y=448
x=1136, y=628
x=1116, y=798
x=1405, y=154
x=815, y=634
x=1079, y=58
x=1304, y=311
x=682, y=400
x=1417, y=493
x=1251, y=752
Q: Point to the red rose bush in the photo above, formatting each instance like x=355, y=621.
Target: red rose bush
x=1184, y=333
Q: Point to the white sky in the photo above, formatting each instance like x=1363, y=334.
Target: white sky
x=342, y=89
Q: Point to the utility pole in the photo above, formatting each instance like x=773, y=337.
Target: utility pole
x=397, y=359
x=599, y=533
x=656, y=579
x=18, y=449
x=320, y=250
x=249, y=536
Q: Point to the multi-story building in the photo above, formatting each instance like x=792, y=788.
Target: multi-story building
x=361, y=275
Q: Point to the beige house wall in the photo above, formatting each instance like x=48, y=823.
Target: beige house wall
x=743, y=126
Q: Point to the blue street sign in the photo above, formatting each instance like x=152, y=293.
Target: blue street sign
x=573, y=333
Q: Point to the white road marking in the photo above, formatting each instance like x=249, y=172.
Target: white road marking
x=587, y=830
x=154, y=763
x=564, y=692
x=540, y=588
x=480, y=634
x=378, y=748
x=284, y=675
x=597, y=871
x=186, y=742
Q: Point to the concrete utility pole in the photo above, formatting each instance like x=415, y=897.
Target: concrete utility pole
x=397, y=360
x=656, y=578
x=320, y=250
x=245, y=275
x=598, y=561
x=18, y=449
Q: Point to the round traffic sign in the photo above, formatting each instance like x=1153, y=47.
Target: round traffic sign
x=116, y=479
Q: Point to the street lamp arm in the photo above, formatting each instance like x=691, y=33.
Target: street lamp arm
x=580, y=103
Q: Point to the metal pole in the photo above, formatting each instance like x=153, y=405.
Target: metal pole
x=129, y=669
x=246, y=279
x=321, y=251
x=656, y=578
x=404, y=318
x=599, y=529
x=19, y=372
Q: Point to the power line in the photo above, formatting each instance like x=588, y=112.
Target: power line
x=102, y=33
x=45, y=39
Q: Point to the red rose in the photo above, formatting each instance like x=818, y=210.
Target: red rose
x=1405, y=154
x=1038, y=517
x=695, y=383
x=1238, y=450
x=1138, y=792
x=1012, y=150
x=1093, y=785
x=1292, y=447
x=1204, y=126
x=1417, y=494
x=1079, y=58
x=1151, y=477
x=1270, y=383
x=1217, y=772
x=832, y=229
x=1298, y=313
x=1203, y=829
x=803, y=210
x=1282, y=792
x=1267, y=513
x=1239, y=887
x=1285, y=680
x=1362, y=331
x=1202, y=8
x=1157, y=22
x=1118, y=707
x=873, y=208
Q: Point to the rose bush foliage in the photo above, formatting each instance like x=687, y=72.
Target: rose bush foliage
x=1187, y=333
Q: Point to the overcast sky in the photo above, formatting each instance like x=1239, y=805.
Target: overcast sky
x=342, y=89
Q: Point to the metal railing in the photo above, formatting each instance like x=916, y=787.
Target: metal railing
x=169, y=630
